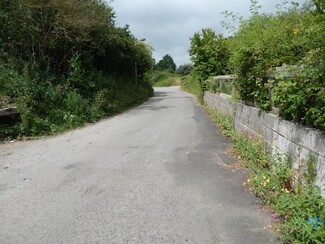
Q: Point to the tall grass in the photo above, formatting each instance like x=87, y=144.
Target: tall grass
x=164, y=78
x=192, y=85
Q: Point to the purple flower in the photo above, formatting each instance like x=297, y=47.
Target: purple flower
x=275, y=216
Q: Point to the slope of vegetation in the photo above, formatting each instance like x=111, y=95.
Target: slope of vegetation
x=65, y=62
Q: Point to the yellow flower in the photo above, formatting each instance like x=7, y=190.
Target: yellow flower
x=268, y=180
x=285, y=190
x=264, y=177
x=295, y=31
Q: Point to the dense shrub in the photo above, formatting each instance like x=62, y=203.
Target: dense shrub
x=64, y=63
x=209, y=53
x=184, y=69
x=293, y=36
x=49, y=108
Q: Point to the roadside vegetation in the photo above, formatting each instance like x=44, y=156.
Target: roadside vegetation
x=191, y=85
x=298, y=208
x=65, y=63
x=164, y=73
x=293, y=36
x=164, y=78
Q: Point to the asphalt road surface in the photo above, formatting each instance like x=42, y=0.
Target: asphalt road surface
x=158, y=173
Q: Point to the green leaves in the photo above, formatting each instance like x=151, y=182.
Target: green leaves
x=294, y=36
x=209, y=53
x=64, y=62
x=301, y=100
x=166, y=63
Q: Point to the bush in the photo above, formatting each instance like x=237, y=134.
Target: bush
x=50, y=106
x=184, y=69
x=301, y=100
x=62, y=74
x=295, y=37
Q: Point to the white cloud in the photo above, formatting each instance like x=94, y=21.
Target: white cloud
x=168, y=24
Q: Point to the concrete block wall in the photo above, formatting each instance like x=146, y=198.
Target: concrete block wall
x=280, y=136
x=220, y=102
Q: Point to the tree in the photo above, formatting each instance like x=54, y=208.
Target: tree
x=209, y=53
x=143, y=57
x=64, y=62
x=184, y=69
x=166, y=63
x=320, y=6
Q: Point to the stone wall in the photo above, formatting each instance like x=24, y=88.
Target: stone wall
x=280, y=136
x=220, y=102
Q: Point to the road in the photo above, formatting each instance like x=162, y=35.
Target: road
x=158, y=173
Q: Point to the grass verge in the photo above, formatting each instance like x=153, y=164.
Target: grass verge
x=191, y=85
x=298, y=209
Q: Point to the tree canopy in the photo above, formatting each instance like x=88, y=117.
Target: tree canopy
x=50, y=31
x=64, y=62
x=209, y=53
x=184, y=69
x=166, y=63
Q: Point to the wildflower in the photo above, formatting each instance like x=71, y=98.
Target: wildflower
x=264, y=177
x=275, y=216
x=268, y=180
x=286, y=216
x=314, y=221
x=285, y=190
x=295, y=31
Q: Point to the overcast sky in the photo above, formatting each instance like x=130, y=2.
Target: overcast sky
x=168, y=24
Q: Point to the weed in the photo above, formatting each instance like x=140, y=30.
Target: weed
x=225, y=122
x=192, y=85
x=299, y=209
